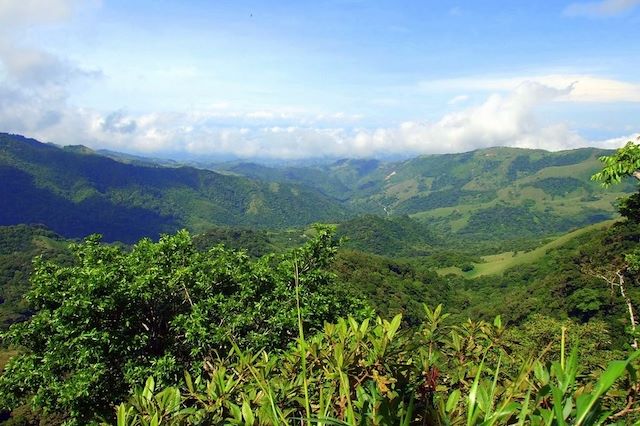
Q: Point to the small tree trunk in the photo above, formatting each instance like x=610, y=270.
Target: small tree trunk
x=632, y=316
x=609, y=277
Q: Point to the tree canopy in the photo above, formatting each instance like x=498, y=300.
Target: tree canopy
x=115, y=317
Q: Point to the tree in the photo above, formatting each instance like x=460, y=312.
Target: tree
x=115, y=317
x=625, y=162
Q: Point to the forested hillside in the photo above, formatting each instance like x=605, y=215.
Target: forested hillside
x=496, y=198
x=496, y=195
x=19, y=245
x=319, y=213
x=76, y=192
x=167, y=306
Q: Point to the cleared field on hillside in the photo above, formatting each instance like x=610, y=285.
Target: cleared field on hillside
x=498, y=263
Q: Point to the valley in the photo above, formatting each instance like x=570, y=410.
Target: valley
x=501, y=234
x=497, y=264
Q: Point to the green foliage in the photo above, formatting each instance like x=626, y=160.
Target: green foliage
x=75, y=192
x=629, y=207
x=625, y=162
x=529, y=164
x=560, y=186
x=114, y=317
x=466, y=267
x=111, y=317
x=18, y=246
x=505, y=221
x=444, y=198
x=459, y=194
x=390, y=285
x=395, y=236
x=256, y=243
x=376, y=373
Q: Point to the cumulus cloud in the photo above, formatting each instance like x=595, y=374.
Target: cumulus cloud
x=34, y=102
x=29, y=67
x=586, y=88
x=22, y=111
x=501, y=120
x=33, y=82
x=118, y=122
x=601, y=8
x=19, y=13
x=458, y=99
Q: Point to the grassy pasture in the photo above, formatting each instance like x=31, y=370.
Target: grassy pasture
x=498, y=263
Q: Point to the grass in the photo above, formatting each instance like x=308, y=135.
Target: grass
x=498, y=263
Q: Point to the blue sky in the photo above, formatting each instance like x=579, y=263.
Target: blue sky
x=324, y=78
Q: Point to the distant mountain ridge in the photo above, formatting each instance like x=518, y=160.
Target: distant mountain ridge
x=75, y=192
x=495, y=193
x=489, y=194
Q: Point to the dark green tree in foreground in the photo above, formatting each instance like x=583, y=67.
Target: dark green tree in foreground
x=625, y=162
x=115, y=317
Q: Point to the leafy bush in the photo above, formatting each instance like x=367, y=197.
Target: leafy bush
x=356, y=373
x=114, y=317
x=466, y=267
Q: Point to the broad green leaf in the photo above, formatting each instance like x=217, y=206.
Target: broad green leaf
x=452, y=401
x=247, y=414
x=607, y=379
x=393, y=326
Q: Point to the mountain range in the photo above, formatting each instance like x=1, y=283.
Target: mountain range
x=76, y=191
x=489, y=194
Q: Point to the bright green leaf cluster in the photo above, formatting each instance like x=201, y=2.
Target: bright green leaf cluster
x=625, y=162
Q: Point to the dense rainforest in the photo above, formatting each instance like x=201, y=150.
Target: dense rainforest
x=440, y=312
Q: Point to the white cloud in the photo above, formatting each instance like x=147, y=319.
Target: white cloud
x=501, y=120
x=614, y=143
x=601, y=8
x=29, y=67
x=18, y=13
x=586, y=88
x=34, y=102
x=118, y=122
x=458, y=99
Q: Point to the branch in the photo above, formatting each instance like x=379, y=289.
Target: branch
x=186, y=292
x=610, y=279
x=624, y=412
x=629, y=408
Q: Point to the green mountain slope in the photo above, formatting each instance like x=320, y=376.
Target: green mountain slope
x=496, y=199
x=490, y=194
x=398, y=236
x=18, y=246
x=497, y=264
x=76, y=192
